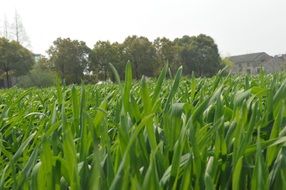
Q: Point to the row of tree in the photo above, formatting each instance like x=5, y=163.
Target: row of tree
x=72, y=58
x=74, y=61
x=15, y=30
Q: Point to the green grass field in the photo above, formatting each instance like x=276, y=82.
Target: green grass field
x=223, y=132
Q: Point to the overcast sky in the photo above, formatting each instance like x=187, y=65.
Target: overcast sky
x=237, y=26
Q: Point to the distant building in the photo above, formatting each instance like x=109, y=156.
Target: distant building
x=255, y=62
x=280, y=60
x=37, y=57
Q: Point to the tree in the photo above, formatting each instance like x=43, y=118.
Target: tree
x=19, y=32
x=226, y=62
x=16, y=30
x=5, y=32
x=44, y=64
x=40, y=75
x=167, y=52
x=142, y=54
x=15, y=60
x=199, y=54
x=185, y=53
x=102, y=54
x=120, y=59
x=69, y=58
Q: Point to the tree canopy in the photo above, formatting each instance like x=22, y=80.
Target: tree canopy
x=15, y=60
x=69, y=58
x=101, y=55
x=167, y=52
x=74, y=61
x=142, y=55
x=199, y=54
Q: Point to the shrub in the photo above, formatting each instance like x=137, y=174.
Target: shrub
x=37, y=77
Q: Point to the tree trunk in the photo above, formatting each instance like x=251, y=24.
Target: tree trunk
x=136, y=72
x=7, y=79
x=63, y=74
x=105, y=73
x=136, y=65
x=17, y=27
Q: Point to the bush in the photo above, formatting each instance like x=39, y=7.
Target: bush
x=37, y=77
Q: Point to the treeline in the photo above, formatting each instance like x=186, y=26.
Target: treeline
x=74, y=62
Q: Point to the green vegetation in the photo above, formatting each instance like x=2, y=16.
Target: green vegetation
x=38, y=76
x=15, y=60
x=69, y=58
x=73, y=61
x=217, y=133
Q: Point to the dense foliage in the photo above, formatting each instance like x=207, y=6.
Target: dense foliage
x=73, y=61
x=197, y=54
x=217, y=133
x=69, y=58
x=15, y=60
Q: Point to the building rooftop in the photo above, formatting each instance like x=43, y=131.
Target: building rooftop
x=247, y=57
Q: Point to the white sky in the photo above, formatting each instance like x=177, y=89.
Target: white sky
x=237, y=26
